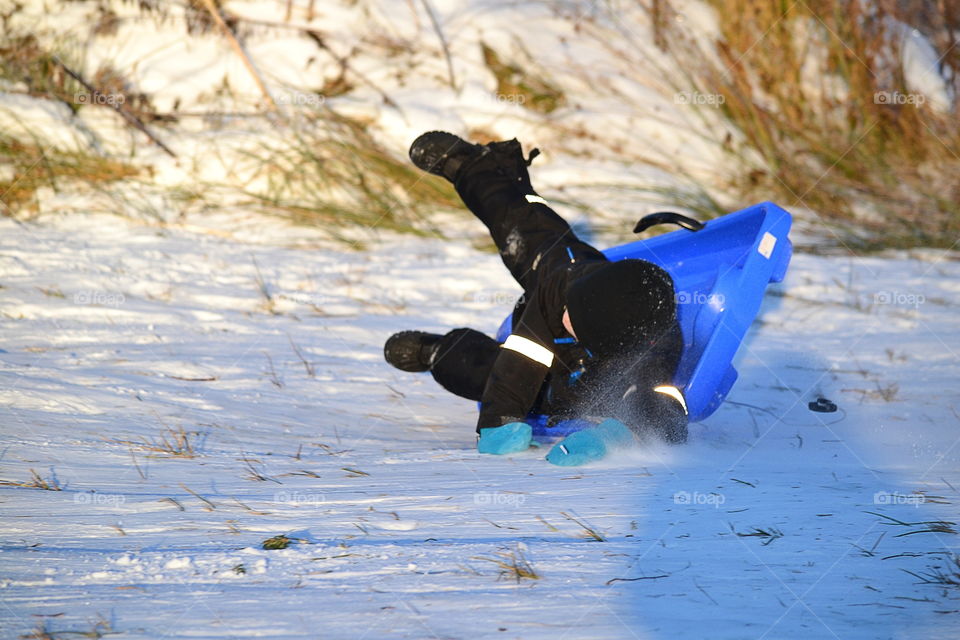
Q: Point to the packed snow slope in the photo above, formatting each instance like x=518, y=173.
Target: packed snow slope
x=621, y=137
x=171, y=397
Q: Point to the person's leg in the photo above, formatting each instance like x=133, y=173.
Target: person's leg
x=460, y=360
x=493, y=182
x=529, y=234
x=463, y=360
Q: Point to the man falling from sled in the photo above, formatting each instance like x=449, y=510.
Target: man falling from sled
x=590, y=339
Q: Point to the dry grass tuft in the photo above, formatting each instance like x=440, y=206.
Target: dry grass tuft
x=101, y=628
x=173, y=442
x=331, y=171
x=948, y=576
x=516, y=85
x=513, y=565
x=26, y=63
x=588, y=531
x=36, y=482
x=26, y=168
x=818, y=96
x=768, y=534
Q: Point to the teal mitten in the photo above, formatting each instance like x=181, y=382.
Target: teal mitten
x=510, y=438
x=591, y=444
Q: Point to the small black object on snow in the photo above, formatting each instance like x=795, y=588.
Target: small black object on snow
x=822, y=405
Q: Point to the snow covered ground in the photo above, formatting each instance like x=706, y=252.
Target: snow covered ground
x=173, y=394
x=266, y=353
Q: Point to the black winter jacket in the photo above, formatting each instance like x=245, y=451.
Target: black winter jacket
x=576, y=383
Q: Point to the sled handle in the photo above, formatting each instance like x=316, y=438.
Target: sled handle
x=667, y=217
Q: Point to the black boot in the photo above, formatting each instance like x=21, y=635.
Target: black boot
x=507, y=155
x=442, y=153
x=412, y=351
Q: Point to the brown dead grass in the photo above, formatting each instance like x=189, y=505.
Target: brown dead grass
x=27, y=167
x=885, y=174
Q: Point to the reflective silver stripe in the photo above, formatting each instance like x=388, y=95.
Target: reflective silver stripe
x=674, y=393
x=529, y=348
x=532, y=198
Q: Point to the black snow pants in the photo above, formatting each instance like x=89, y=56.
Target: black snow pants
x=531, y=239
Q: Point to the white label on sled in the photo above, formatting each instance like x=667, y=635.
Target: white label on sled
x=532, y=198
x=767, y=243
x=529, y=348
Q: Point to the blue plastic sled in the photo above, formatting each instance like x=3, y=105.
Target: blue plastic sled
x=720, y=270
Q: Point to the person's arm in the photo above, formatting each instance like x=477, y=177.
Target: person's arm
x=653, y=403
x=519, y=370
x=511, y=389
